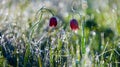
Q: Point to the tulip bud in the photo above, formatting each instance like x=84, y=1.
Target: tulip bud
x=53, y=22
x=74, y=25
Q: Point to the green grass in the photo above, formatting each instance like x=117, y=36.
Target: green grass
x=29, y=41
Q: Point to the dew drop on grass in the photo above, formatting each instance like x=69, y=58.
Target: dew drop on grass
x=93, y=33
x=97, y=10
x=87, y=49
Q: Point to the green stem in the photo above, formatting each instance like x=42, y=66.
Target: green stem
x=83, y=39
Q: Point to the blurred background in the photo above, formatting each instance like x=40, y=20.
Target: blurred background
x=100, y=17
x=18, y=12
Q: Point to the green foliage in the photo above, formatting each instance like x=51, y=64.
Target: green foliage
x=95, y=44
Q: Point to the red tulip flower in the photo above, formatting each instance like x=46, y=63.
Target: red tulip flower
x=53, y=22
x=74, y=25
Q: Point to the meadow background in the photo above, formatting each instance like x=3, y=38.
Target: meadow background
x=26, y=40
